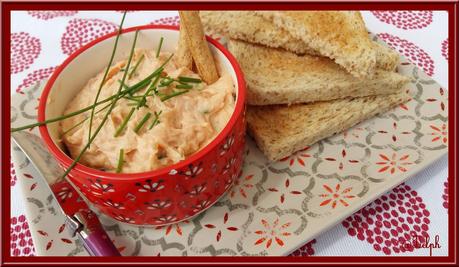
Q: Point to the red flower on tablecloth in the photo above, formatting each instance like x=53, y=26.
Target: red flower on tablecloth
x=445, y=195
x=35, y=76
x=173, y=21
x=299, y=156
x=272, y=232
x=444, y=48
x=390, y=222
x=406, y=20
x=46, y=15
x=13, y=175
x=335, y=196
x=305, y=251
x=81, y=31
x=24, y=50
x=21, y=239
x=411, y=51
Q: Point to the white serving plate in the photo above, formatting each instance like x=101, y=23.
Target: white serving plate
x=285, y=202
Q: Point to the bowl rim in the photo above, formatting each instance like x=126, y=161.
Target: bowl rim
x=67, y=161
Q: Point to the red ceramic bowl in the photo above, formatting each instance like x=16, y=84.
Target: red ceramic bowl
x=163, y=196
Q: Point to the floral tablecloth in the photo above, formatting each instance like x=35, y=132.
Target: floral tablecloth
x=40, y=40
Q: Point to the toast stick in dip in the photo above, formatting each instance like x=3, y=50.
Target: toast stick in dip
x=183, y=54
x=199, y=48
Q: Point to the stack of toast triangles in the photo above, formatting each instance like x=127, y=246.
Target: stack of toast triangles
x=309, y=74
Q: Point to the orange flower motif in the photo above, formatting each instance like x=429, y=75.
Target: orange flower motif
x=299, y=156
x=177, y=227
x=336, y=196
x=392, y=164
x=440, y=133
x=241, y=185
x=272, y=233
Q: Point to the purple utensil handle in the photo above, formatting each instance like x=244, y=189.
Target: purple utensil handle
x=86, y=226
x=97, y=243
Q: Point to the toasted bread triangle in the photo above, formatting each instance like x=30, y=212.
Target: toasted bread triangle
x=249, y=27
x=276, y=76
x=281, y=130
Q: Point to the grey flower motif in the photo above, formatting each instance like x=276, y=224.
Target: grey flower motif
x=230, y=180
x=122, y=218
x=158, y=204
x=166, y=219
x=201, y=205
x=193, y=170
x=64, y=193
x=110, y=203
x=150, y=186
x=228, y=165
x=197, y=189
x=99, y=188
x=227, y=145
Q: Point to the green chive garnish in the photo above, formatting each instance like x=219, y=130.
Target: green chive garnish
x=142, y=122
x=82, y=121
x=142, y=102
x=166, y=81
x=156, y=120
x=132, y=90
x=189, y=79
x=124, y=123
x=136, y=66
x=184, y=86
x=119, y=167
x=174, y=94
x=110, y=109
x=124, y=85
x=105, y=74
x=159, y=47
x=133, y=98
